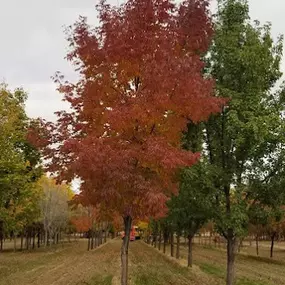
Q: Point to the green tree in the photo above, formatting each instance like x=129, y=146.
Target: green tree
x=18, y=161
x=192, y=208
x=245, y=62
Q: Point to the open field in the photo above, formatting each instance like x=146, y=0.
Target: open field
x=250, y=269
x=72, y=264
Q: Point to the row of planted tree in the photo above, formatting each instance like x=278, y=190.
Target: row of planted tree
x=163, y=86
x=165, y=233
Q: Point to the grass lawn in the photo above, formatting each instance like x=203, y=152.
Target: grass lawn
x=72, y=264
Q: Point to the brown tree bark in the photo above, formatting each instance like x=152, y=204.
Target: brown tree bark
x=178, y=246
x=89, y=243
x=39, y=238
x=164, y=245
x=172, y=244
x=257, y=247
x=34, y=239
x=272, y=244
x=105, y=235
x=22, y=241
x=231, y=252
x=92, y=238
x=190, y=250
x=159, y=241
x=125, y=250
x=15, y=242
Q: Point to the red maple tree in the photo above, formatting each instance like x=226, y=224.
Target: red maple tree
x=140, y=83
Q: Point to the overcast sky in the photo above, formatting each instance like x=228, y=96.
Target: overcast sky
x=33, y=44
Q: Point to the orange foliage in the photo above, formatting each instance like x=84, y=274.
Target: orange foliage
x=141, y=82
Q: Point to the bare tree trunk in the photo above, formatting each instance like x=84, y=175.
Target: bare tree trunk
x=231, y=247
x=105, y=235
x=159, y=241
x=172, y=244
x=178, y=247
x=257, y=248
x=27, y=240
x=94, y=235
x=125, y=249
x=1, y=234
x=165, y=237
x=240, y=245
x=22, y=240
x=92, y=239
x=34, y=239
x=39, y=238
x=272, y=244
x=190, y=251
x=46, y=238
x=89, y=243
x=15, y=242
x=155, y=240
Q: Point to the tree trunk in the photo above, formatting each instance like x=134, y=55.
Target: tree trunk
x=240, y=245
x=27, y=241
x=165, y=237
x=46, y=238
x=88, y=247
x=231, y=245
x=159, y=241
x=257, y=248
x=95, y=238
x=155, y=240
x=15, y=242
x=22, y=241
x=101, y=236
x=178, y=247
x=125, y=249
x=1, y=234
x=190, y=251
x=172, y=244
x=92, y=239
x=34, y=240
x=272, y=244
x=39, y=238
x=105, y=236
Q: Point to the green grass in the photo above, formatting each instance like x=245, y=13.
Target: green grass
x=220, y=273
x=212, y=270
x=147, y=279
x=99, y=280
x=249, y=282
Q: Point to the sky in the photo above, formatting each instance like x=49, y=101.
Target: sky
x=33, y=44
